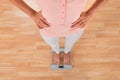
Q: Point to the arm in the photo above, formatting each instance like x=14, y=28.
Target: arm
x=85, y=16
x=95, y=6
x=24, y=7
x=39, y=19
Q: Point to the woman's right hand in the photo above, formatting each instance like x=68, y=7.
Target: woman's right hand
x=40, y=21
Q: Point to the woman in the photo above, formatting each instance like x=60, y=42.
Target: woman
x=60, y=18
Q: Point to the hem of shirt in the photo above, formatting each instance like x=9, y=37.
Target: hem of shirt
x=68, y=33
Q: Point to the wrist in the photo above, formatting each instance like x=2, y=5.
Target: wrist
x=90, y=13
x=32, y=13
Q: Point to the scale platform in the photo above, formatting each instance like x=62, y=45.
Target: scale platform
x=61, y=66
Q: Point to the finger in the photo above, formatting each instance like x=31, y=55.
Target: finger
x=43, y=24
x=74, y=25
x=46, y=22
x=83, y=18
x=39, y=26
x=44, y=19
x=77, y=21
x=78, y=24
x=82, y=21
x=82, y=25
x=80, y=17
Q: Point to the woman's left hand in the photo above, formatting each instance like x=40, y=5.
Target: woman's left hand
x=82, y=20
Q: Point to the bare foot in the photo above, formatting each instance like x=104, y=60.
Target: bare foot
x=66, y=59
x=56, y=58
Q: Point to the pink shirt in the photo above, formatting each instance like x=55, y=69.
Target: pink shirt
x=61, y=14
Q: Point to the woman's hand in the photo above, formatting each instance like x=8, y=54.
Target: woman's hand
x=40, y=21
x=82, y=20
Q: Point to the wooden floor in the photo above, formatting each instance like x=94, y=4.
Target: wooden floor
x=25, y=56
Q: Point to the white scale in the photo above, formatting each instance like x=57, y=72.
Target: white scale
x=61, y=66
